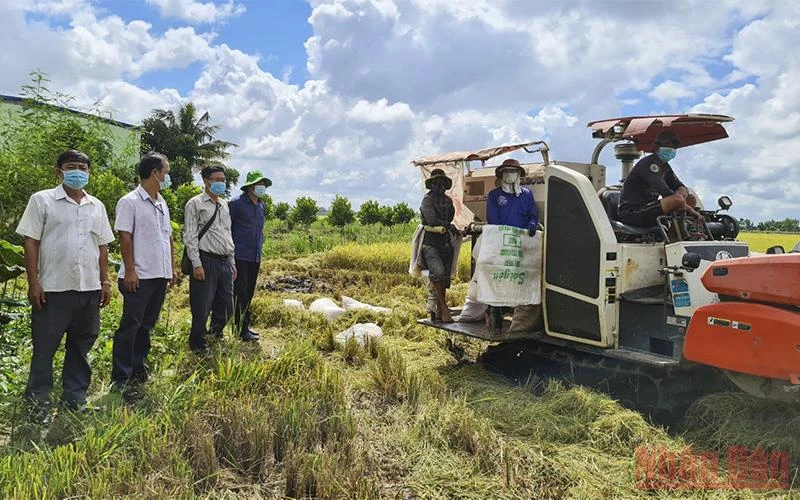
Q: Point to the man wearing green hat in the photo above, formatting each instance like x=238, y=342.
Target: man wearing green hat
x=247, y=229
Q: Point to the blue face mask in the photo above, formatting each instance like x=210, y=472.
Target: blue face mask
x=260, y=190
x=218, y=188
x=76, y=179
x=667, y=154
x=167, y=182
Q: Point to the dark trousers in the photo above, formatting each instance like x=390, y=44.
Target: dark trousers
x=140, y=310
x=243, y=289
x=77, y=314
x=214, y=295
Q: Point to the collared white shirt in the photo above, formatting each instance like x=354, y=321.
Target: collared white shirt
x=70, y=235
x=149, y=224
x=217, y=240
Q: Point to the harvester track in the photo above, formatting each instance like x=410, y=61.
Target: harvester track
x=663, y=394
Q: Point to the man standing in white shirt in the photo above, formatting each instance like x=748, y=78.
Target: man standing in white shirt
x=145, y=231
x=66, y=259
x=212, y=256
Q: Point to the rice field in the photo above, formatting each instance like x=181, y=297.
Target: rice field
x=760, y=241
x=412, y=415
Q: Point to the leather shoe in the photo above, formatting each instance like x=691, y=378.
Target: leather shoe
x=254, y=333
x=248, y=337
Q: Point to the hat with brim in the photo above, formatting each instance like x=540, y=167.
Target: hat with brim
x=668, y=139
x=438, y=174
x=510, y=164
x=255, y=177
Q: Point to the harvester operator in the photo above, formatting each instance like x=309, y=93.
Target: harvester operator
x=652, y=189
x=437, y=212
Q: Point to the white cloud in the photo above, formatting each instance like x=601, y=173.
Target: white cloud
x=392, y=80
x=196, y=12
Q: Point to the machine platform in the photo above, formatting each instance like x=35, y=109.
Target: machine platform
x=479, y=331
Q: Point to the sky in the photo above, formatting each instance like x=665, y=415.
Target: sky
x=334, y=97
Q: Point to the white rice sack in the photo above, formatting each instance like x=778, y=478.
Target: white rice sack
x=472, y=311
x=327, y=307
x=293, y=303
x=350, y=304
x=360, y=332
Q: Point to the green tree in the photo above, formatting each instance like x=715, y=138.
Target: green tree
x=269, y=207
x=341, y=213
x=402, y=213
x=304, y=211
x=369, y=212
x=186, y=134
x=176, y=200
x=282, y=210
x=387, y=215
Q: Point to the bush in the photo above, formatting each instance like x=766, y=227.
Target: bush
x=369, y=213
x=305, y=211
x=402, y=213
x=341, y=213
x=282, y=210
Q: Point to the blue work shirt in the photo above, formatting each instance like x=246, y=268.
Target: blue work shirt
x=508, y=210
x=247, y=228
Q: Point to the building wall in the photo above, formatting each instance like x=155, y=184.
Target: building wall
x=121, y=134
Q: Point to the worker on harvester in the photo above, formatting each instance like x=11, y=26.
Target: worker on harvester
x=652, y=189
x=510, y=204
x=437, y=212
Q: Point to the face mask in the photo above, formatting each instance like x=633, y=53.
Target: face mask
x=667, y=154
x=218, y=188
x=510, y=177
x=167, y=182
x=260, y=190
x=76, y=179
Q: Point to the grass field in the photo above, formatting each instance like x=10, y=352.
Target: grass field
x=298, y=415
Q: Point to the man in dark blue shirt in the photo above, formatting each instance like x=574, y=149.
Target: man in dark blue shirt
x=652, y=189
x=247, y=229
x=509, y=204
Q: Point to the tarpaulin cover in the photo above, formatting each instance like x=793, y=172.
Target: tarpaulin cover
x=643, y=130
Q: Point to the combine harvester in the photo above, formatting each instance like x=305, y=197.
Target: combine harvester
x=620, y=300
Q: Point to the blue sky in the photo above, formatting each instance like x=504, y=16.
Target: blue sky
x=338, y=96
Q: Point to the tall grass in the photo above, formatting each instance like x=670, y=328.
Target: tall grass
x=759, y=241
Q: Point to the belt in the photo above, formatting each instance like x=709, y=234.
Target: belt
x=214, y=255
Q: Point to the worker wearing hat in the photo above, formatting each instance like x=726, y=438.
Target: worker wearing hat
x=437, y=212
x=652, y=189
x=509, y=204
x=248, y=213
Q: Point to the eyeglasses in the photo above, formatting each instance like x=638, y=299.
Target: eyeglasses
x=75, y=166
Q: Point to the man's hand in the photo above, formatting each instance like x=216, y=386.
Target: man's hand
x=199, y=273
x=234, y=272
x=532, y=231
x=174, y=280
x=105, y=293
x=131, y=280
x=36, y=295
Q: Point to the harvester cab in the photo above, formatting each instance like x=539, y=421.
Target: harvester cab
x=619, y=294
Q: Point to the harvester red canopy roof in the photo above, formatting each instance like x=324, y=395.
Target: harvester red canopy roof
x=643, y=130
x=482, y=155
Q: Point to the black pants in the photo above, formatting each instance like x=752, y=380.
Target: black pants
x=214, y=295
x=77, y=314
x=243, y=289
x=140, y=310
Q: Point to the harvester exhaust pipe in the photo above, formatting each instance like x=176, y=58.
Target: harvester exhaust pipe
x=627, y=153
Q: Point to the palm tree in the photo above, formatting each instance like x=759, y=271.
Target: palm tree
x=187, y=140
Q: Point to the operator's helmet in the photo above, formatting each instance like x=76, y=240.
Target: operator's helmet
x=668, y=139
x=437, y=174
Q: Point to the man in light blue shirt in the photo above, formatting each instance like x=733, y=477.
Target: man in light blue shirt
x=509, y=204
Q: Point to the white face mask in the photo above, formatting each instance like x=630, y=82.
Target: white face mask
x=510, y=177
